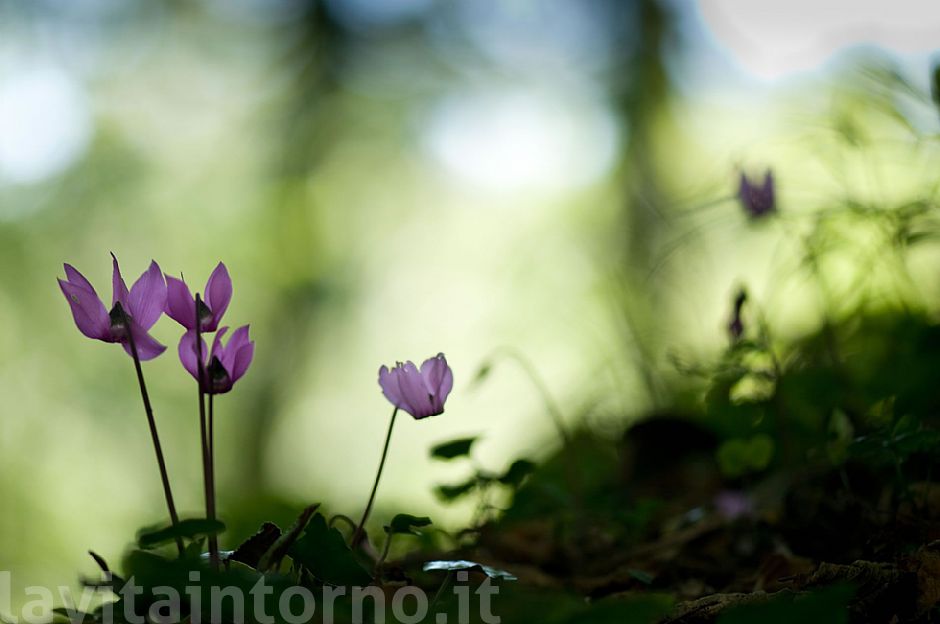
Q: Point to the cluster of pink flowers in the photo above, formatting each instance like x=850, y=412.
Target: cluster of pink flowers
x=420, y=392
x=133, y=312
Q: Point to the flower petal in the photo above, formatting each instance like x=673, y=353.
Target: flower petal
x=180, y=305
x=218, y=293
x=118, y=287
x=218, y=350
x=389, y=384
x=147, y=298
x=242, y=361
x=443, y=390
x=147, y=347
x=187, y=353
x=432, y=371
x=439, y=380
x=88, y=311
x=413, y=391
x=236, y=341
x=74, y=276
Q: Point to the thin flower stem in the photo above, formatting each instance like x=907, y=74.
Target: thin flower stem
x=204, y=435
x=357, y=534
x=378, y=564
x=445, y=585
x=551, y=406
x=344, y=518
x=157, y=447
x=213, y=538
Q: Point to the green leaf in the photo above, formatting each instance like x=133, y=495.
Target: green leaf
x=252, y=549
x=449, y=493
x=462, y=564
x=405, y=524
x=453, y=448
x=324, y=553
x=760, y=451
x=740, y=456
x=482, y=373
x=644, y=577
x=273, y=556
x=187, y=529
x=517, y=472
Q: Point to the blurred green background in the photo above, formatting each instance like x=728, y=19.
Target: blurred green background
x=387, y=179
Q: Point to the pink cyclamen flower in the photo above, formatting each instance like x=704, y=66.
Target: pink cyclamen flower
x=224, y=365
x=733, y=504
x=143, y=305
x=181, y=305
x=758, y=199
x=421, y=393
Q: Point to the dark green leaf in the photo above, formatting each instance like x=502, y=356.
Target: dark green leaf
x=272, y=558
x=324, y=553
x=403, y=523
x=251, y=550
x=449, y=493
x=644, y=577
x=453, y=448
x=461, y=564
x=188, y=529
x=482, y=373
x=517, y=472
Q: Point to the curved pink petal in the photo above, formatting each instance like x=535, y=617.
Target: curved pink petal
x=218, y=350
x=118, y=287
x=242, y=361
x=432, y=371
x=438, y=379
x=443, y=390
x=147, y=347
x=74, y=276
x=414, y=391
x=187, y=353
x=236, y=341
x=147, y=298
x=404, y=401
x=389, y=384
x=88, y=311
x=218, y=293
x=180, y=304
x=239, y=338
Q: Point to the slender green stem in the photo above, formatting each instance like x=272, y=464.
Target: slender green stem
x=157, y=447
x=443, y=588
x=378, y=564
x=213, y=539
x=551, y=406
x=344, y=518
x=357, y=534
x=204, y=435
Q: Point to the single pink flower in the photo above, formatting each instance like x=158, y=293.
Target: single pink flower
x=142, y=305
x=181, y=305
x=224, y=364
x=421, y=393
x=734, y=504
x=758, y=200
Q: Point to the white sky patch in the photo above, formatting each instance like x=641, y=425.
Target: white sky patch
x=45, y=124
x=509, y=141
x=772, y=39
